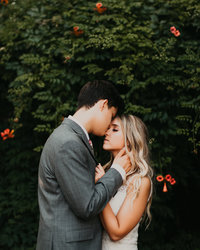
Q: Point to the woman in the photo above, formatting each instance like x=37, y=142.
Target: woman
x=122, y=215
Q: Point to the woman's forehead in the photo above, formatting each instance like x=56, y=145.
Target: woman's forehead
x=115, y=122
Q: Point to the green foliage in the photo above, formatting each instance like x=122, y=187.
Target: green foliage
x=18, y=207
x=43, y=65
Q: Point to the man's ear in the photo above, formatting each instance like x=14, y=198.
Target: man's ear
x=103, y=104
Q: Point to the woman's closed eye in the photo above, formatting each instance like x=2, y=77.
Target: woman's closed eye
x=115, y=130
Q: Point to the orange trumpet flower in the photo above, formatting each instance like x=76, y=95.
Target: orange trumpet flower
x=4, y=2
x=67, y=58
x=99, y=5
x=100, y=8
x=175, y=31
x=7, y=134
x=165, y=187
x=168, y=178
x=159, y=178
x=172, y=181
x=77, y=31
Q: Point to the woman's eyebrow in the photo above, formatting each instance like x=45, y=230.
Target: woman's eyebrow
x=115, y=125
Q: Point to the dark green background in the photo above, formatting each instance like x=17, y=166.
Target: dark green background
x=156, y=73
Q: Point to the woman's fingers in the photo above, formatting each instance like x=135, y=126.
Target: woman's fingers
x=121, y=152
x=99, y=172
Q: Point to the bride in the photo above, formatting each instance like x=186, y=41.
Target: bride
x=122, y=215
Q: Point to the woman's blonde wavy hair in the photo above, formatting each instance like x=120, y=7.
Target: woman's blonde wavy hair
x=136, y=145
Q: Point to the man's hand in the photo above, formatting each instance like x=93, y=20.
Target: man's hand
x=123, y=160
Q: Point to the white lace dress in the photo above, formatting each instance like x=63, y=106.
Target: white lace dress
x=129, y=242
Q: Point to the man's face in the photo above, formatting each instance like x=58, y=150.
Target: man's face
x=103, y=120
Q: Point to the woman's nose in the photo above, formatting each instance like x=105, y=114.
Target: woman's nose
x=107, y=132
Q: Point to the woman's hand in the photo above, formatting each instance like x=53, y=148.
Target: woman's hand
x=123, y=160
x=99, y=172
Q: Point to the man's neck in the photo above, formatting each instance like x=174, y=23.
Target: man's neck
x=83, y=116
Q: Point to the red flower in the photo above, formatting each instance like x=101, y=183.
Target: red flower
x=177, y=33
x=77, y=31
x=67, y=58
x=168, y=177
x=159, y=178
x=173, y=29
x=4, y=2
x=7, y=134
x=172, y=181
x=99, y=5
x=76, y=28
x=165, y=187
x=99, y=8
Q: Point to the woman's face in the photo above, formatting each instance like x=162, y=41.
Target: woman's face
x=114, y=137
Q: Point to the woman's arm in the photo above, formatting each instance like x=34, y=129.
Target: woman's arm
x=129, y=214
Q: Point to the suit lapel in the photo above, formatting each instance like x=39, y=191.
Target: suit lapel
x=89, y=147
x=78, y=130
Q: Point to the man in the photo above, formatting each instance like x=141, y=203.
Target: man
x=69, y=199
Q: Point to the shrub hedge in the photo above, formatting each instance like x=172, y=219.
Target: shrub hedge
x=49, y=49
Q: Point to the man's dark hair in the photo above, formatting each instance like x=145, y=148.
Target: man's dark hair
x=96, y=90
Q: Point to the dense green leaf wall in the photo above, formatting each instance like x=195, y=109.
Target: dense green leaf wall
x=49, y=49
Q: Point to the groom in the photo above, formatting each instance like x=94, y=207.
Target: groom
x=69, y=199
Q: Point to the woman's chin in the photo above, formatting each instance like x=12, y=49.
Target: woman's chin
x=105, y=147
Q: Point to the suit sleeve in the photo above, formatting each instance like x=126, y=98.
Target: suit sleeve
x=76, y=181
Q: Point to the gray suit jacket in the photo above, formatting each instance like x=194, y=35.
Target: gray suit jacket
x=69, y=199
